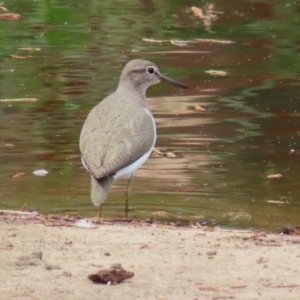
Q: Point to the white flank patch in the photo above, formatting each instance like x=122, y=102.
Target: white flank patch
x=127, y=171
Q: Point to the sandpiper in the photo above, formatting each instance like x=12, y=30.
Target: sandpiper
x=119, y=133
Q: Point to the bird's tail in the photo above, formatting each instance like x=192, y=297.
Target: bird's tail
x=100, y=189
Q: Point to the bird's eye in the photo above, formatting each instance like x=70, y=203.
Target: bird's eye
x=150, y=70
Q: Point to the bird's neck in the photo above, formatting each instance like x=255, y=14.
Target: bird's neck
x=132, y=89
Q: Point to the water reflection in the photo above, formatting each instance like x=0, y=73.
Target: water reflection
x=249, y=131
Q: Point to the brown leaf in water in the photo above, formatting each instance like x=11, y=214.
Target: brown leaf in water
x=170, y=155
x=274, y=176
x=196, y=107
x=178, y=43
x=205, y=15
x=155, y=41
x=23, y=207
x=2, y=7
x=276, y=202
x=30, y=49
x=156, y=151
x=186, y=42
x=19, y=175
x=10, y=16
x=214, y=41
x=198, y=12
x=20, y=100
x=111, y=276
x=216, y=73
x=21, y=57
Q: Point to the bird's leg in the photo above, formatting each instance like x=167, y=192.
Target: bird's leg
x=99, y=214
x=127, y=196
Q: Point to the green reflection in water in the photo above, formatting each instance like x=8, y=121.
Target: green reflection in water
x=249, y=132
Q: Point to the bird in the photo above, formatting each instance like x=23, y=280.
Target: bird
x=119, y=133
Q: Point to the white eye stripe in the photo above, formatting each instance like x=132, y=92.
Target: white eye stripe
x=151, y=70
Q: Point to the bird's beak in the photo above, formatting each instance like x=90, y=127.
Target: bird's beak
x=171, y=81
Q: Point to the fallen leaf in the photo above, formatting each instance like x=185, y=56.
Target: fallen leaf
x=238, y=286
x=276, y=202
x=208, y=288
x=170, y=155
x=20, y=100
x=274, y=176
x=30, y=49
x=155, y=41
x=196, y=107
x=40, y=172
x=178, y=43
x=111, y=276
x=144, y=246
x=214, y=41
x=216, y=73
x=21, y=57
x=210, y=253
x=19, y=175
x=23, y=207
x=156, y=151
x=178, y=52
x=186, y=42
x=10, y=16
x=2, y=7
x=198, y=12
x=205, y=15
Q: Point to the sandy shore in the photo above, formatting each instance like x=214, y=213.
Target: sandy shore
x=53, y=261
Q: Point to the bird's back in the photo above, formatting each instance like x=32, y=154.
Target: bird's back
x=117, y=132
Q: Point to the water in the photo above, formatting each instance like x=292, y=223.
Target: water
x=249, y=131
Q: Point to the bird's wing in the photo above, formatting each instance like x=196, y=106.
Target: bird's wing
x=110, y=143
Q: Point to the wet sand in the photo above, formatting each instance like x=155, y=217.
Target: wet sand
x=52, y=260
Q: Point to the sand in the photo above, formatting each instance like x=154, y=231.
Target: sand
x=53, y=261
